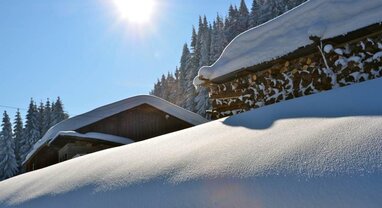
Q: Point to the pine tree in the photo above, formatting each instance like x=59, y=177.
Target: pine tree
x=182, y=83
x=197, y=50
x=277, y=8
x=254, y=16
x=218, y=39
x=179, y=91
x=8, y=163
x=231, y=30
x=171, y=87
x=155, y=91
x=265, y=10
x=204, y=38
x=201, y=100
x=192, y=66
x=41, y=119
x=243, y=19
x=47, y=117
x=204, y=43
x=58, y=113
x=194, y=37
x=207, y=44
x=31, y=133
x=18, y=137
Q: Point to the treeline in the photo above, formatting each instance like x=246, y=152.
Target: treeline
x=207, y=43
x=18, y=140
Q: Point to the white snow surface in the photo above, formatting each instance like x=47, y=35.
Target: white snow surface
x=94, y=136
x=323, y=150
x=115, y=108
x=290, y=31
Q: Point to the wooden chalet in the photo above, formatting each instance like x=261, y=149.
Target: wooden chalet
x=130, y=120
x=246, y=77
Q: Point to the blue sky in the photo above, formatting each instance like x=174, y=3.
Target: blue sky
x=83, y=52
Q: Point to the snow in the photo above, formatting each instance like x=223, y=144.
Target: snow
x=339, y=51
x=115, y=108
x=328, y=48
x=290, y=31
x=323, y=150
x=93, y=136
x=377, y=56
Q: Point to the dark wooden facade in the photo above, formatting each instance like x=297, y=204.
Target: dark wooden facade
x=46, y=156
x=138, y=123
x=49, y=155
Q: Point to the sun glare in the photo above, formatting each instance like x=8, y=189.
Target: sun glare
x=136, y=11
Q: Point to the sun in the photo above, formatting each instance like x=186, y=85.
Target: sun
x=136, y=11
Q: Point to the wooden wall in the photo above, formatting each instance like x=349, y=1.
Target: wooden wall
x=139, y=123
x=46, y=156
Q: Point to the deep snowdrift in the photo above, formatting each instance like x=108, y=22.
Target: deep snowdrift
x=323, y=150
x=290, y=31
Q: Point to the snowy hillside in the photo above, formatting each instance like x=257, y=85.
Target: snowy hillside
x=323, y=150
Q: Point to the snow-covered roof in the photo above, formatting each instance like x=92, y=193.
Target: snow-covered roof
x=93, y=136
x=322, y=150
x=106, y=111
x=278, y=37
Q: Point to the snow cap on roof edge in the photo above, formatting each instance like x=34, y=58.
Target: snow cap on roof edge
x=102, y=112
x=290, y=31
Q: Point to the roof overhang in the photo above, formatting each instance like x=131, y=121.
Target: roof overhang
x=106, y=111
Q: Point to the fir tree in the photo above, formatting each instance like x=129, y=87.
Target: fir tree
x=218, y=40
x=179, y=90
x=204, y=43
x=194, y=37
x=204, y=37
x=8, y=163
x=41, y=119
x=254, y=16
x=192, y=67
x=171, y=87
x=190, y=93
x=231, y=30
x=197, y=50
x=182, y=83
x=243, y=19
x=18, y=137
x=207, y=44
x=58, y=112
x=31, y=131
x=47, y=117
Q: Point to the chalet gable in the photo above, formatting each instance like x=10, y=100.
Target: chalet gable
x=130, y=120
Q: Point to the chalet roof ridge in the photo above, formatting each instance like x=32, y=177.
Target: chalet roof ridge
x=93, y=136
x=111, y=109
x=290, y=31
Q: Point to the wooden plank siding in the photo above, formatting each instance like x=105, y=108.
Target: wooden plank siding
x=47, y=156
x=139, y=123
